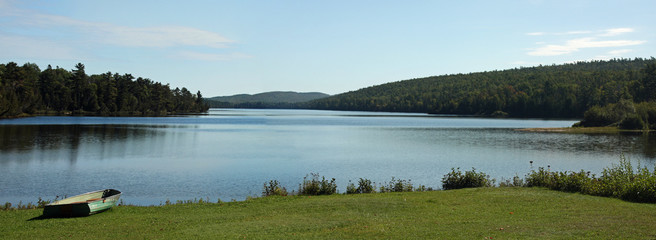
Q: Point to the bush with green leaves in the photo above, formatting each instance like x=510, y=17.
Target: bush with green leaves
x=313, y=186
x=351, y=189
x=470, y=179
x=364, y=186
x=397, y=185
x=625, y=114
x=623, y=182
x=516, y=181
x=620, y=181
x=647, y=111
x=632, y=122
x=274, y=189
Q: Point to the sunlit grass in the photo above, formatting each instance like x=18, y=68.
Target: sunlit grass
x=478, y=213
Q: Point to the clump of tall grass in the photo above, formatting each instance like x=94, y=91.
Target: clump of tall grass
x=470, y=179
x=619, y=181
x=40, y=203
x=364, y=186
x=168, y=202
x=313, y=186
x=273, y=189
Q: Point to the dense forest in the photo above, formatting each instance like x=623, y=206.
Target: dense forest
x=26, y=90
x=556, y=91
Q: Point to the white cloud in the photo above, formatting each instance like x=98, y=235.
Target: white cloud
x=580, y=43
x=602, y=33
x=46, y=36
x=615, y=31
x=594, y=39
x=164, y=36
x=159, y=36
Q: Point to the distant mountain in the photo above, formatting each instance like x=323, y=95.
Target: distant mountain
x=277, y=99
x=272, y=97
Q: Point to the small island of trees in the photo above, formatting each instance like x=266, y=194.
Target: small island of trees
x=26, y=90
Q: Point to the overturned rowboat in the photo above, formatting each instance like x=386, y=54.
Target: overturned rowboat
x=83, y=204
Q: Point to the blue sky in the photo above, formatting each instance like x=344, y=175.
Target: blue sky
x=232, y=47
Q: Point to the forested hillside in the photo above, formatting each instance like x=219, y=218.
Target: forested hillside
x=556, y=91
x=28, y=90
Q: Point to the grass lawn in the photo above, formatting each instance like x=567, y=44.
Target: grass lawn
x=481, y=213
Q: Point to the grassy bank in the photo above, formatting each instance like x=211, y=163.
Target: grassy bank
x=478, y=213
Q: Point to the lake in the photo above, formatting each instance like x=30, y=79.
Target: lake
x=230, y=153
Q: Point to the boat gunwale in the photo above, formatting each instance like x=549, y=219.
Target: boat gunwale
x=59, y=202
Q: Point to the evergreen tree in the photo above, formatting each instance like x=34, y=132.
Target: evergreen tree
x=649, y=81
x=26, y=89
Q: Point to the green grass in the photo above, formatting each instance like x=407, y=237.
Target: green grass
x=479, y=213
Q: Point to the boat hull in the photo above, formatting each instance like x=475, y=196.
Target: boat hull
x=83, y=204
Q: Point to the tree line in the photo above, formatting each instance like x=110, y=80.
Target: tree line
x=26, y=90
x=555, y=91
x=624, y=114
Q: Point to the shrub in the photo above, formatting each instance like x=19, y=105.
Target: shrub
x=515, y=182
x=622, y=182
x=541, y=178
x=471, y=179
x=570, y=182
x=350, y=188
x=647, y=111
x=499, y=114
x=274, y=189
x=313, y=186
x=365, y=186
x=632, y=122
x=619, y=181
x=562, y=181
x=598, y=116
x=397, y=185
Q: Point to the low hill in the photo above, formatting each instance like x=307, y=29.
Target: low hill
x=277, y=99
x=272, y=97
x=555, y=91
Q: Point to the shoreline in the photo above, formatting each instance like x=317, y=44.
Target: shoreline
x=588, y=130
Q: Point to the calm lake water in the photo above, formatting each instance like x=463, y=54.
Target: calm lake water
x=230, y=154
